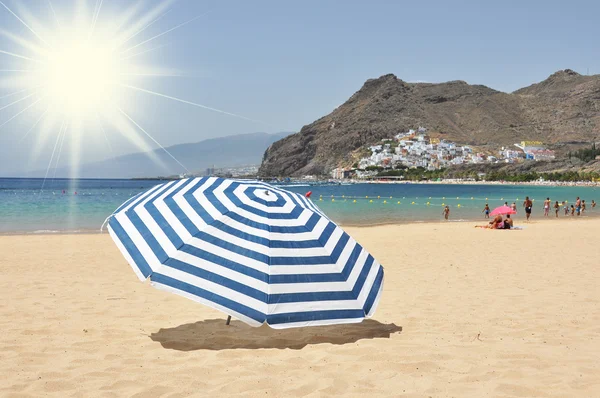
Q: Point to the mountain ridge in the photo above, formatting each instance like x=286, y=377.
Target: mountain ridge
x=563, y=108
x=229, y=151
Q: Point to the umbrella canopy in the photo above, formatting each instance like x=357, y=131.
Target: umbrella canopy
x=254, y=251
x=502, y=210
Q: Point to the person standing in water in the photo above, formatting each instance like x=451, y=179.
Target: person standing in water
x=486, y=211
x=566, y=208
x=582, y=206
x=514, y=207
x=556, y=208
x=546, y=207
x=446, y=212
x=527, y=204
x=593, y=204
x=578, y=206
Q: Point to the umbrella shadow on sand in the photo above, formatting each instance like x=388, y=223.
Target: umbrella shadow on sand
x=213, y=334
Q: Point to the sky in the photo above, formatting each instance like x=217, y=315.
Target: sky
x=281, y=65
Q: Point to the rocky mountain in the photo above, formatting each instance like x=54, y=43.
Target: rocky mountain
x=563, y=109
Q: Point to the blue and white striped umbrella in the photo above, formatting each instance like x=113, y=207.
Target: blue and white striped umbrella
x=254, y=251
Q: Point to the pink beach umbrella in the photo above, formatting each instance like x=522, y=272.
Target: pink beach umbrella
x=502, y=210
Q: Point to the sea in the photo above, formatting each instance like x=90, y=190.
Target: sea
x=82, y=205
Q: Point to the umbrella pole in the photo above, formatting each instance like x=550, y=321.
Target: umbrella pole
x=228, y=320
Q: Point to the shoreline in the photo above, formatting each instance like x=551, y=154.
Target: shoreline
x=582, y=184
x=481, y=221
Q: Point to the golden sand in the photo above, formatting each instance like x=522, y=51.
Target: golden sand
x=465, y=312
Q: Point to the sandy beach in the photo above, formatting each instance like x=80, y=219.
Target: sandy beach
x=465, y=312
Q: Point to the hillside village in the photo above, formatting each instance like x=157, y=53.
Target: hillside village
x=414, y=149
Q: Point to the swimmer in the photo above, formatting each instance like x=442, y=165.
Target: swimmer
x=528, y=204
x=486, y=211
x=546, y=207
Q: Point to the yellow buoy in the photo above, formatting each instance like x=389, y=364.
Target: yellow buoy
x=366, y=197
x=430, y=197
x=427, y=203
x=458, y=205
x=501, y=198
x=390, y=197
x=471, y=198
x=378, y=196
x=486, y=198
x=343, y=196
x=443, y=197
x=333, y=200
x=371, y=201
x=457, y=198
x=398, y=202
x=384, y=201
x=354, y=201
x=321, y=199
x=443, y=204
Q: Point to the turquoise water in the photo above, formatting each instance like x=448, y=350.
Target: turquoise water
x=85, y=204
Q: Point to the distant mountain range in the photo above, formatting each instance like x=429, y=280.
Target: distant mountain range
x=229, y=151
x=562, y=110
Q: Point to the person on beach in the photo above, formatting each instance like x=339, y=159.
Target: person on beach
x=566, y=208
x=527, y=204
x=496, y=223
x=546, y=207
x=556, y=208
x=514, y=207
x=486, y=211
x=508, y=222
x=578, y=206
x=582, y=206
x=572, y=210
x=446, y=212
x=593, y=204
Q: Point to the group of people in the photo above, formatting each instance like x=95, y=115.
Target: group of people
x=575, y=209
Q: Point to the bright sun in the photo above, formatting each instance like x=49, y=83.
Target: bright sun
x=74, y=72
x=80, y=76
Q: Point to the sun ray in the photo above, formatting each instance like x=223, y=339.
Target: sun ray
x=51, y=157
x=193, y=104
x=165, y=32
x=143, y=52
x=145, y=27
x=152, y=74
x=129, y=132
x=110, y=148
x=20, y=112
x=53, y=12
x=14, y=93
x=23, y=42
x=152, y=138
x=62, y=141
x=142, y=21
x=96, y=13
x=33, y=126
x=17, y=101
x=19, y=56
x=23, y=22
